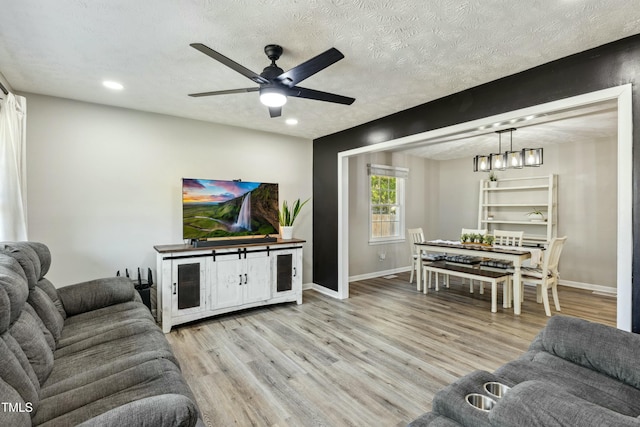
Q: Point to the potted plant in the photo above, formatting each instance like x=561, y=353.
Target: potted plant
x=493, y=179
x=538, y=215
x=464, y=238
x=287, y=216
x=488, y=239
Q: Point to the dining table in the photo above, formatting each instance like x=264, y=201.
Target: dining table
x=516, y=256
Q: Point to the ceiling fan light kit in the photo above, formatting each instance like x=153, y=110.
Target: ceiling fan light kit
x=272, y=97
x=531, y=157
x=276, y=84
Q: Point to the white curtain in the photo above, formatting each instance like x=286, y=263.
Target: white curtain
x=13, y=173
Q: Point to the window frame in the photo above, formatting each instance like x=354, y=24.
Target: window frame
x=400, y=175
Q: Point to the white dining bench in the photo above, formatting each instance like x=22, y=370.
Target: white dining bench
x=493, y=277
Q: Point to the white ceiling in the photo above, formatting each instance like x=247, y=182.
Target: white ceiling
x=596, y=122
x=398, y=53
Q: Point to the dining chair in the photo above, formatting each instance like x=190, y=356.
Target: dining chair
x=418, y=257
x=503, y=238
x=482, y=231
x=508, y=238
x=416, y=235
x=547, y=276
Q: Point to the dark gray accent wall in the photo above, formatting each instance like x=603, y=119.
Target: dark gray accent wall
x=606, y=66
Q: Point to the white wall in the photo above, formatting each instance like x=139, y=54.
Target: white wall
x=363, y=257
x=443, y=198
x=104, y=183
x=587, y=182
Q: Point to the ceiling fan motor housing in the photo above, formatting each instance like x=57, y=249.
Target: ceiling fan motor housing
x=273, y=51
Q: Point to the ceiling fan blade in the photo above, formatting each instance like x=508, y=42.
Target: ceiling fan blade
x=275, y=111
x=307, y=69
x=225, y=92
x=229, y=63
x=302, y=92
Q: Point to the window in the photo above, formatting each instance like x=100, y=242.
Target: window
x=386, y=203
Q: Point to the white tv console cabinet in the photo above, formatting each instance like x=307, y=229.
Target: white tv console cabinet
x=194, y=283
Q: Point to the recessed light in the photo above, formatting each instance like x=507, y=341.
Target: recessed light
x=291, y=122
x=112, y=85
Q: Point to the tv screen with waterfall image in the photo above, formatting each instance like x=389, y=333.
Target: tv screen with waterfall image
x=218, y=209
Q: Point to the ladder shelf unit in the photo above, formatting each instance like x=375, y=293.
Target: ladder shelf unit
x=507, y=206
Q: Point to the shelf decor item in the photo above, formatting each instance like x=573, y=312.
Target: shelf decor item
x=493, y=180
x=537, y=214
x=287, y=216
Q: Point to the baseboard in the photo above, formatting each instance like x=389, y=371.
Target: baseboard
x=378, y=274
x=325, y=291
x=307, y=286
x=604, y=290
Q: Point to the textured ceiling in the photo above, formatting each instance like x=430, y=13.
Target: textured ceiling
x=398, y=53
x=594, y=122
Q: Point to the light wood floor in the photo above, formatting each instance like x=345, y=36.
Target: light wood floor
x=375, y=359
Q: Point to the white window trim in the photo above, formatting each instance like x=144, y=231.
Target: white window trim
x=401, y=174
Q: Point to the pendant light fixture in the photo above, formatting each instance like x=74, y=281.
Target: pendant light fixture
x=499, y=159
x=514, y=158
x=482, y=163
x=531, y=157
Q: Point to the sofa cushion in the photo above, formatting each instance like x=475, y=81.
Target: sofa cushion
x=52, y=292
x=5, y=313
x=28, y=334
x=169, y=410
x=44, y=256
x=26, y=257
x=104, y=334
x=14, y=283
x=20, y=413
x=150, y=378
x=431, y=419
x=16, y=371
x=89, y=325
x=81, y=379
x=47, y=311
x=575, y=379
x=540, y=404
x=87, y=356
x=45, y=332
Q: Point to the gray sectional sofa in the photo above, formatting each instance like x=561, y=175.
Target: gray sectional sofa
x=576, y=373
x=88, y=354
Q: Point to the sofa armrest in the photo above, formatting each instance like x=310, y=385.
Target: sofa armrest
x=601, y=348
x=95, y=294
x=165, y=410
x=536, y=403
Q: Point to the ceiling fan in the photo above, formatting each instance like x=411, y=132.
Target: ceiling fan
x=275, y=84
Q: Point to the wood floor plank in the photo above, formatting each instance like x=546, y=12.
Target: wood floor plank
x=376, y=358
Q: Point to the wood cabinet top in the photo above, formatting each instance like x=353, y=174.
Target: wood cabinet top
x=189, y=248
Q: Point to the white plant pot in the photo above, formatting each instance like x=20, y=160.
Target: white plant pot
x=493, y=184
x=286, y=232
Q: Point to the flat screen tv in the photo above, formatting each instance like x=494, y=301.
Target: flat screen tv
x=222, y=209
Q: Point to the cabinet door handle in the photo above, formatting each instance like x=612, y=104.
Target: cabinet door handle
x=174, y=289
x=295, y=272
x=245, y=278
x=240, y=279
